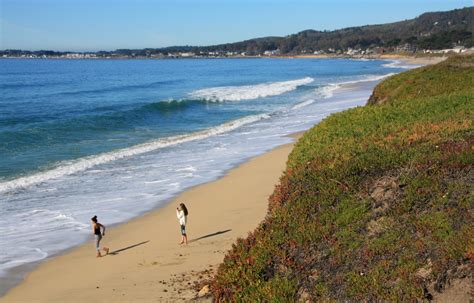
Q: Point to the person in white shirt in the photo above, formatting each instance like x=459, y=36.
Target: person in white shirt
x=182, y=214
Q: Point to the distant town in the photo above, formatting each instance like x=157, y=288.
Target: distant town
x=154, y=54
x=430, y=33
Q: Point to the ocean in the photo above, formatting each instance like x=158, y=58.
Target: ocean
x=117, y=138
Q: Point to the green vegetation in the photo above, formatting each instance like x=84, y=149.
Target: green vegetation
x=376, y=202
x=437, y=30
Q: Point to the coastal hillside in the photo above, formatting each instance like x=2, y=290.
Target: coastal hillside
x=375, y=204
x=434, y=30
x=429, y=31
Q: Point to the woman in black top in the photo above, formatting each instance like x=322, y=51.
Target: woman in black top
x=96, y=227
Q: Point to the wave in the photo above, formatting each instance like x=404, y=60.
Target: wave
x=400, y=64
x=92, y=91
x=23, y=254
x=327, y=91
x=303, y=104
x=117, y=88
x=188, y=168
x=103, y=117
x=169, y=105
x=248, y=92
x=82, y=164
x=24, y=85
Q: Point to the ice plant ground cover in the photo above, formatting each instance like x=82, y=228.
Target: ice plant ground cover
x=376, y=202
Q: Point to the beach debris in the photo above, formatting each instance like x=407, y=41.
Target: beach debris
x=205, y=290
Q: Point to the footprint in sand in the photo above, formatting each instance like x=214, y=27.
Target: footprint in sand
x=172, y=263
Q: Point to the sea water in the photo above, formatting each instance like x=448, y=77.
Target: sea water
x=116, y=138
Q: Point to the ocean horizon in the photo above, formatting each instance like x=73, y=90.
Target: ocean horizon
x=118, y=138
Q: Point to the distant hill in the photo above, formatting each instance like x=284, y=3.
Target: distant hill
x=436, y=30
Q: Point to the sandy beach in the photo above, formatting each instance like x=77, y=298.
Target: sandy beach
x=417, y=60
x=147, y=263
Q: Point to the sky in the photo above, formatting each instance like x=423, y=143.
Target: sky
x=92, y=25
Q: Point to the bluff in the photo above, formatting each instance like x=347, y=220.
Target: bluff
x=433, y=30
x=376, y=202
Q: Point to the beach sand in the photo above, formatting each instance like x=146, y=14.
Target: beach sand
x=148, y=263
x=418, y=60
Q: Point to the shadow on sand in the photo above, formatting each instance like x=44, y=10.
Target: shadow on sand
x=210, y=235
x=116, y=252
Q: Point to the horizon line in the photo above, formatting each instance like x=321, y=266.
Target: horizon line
x=222, y=43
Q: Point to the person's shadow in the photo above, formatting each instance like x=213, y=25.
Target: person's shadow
x=210, y=235
x=116, y=252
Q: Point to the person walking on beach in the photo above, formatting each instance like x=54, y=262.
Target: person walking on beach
x=182, y=214
x=99, y=232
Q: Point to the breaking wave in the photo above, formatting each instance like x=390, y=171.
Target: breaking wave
x=82, y=164
x=400, y=64
x=248, y=92
x=327, y=91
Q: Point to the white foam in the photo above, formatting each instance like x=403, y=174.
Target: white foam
x=248, y=92
x=22, y=255
x=82, y=164
x=327, y=91
x=303, y=104
x=367, y=78
x=156, y=181
x=189, y=168
x=53, y=189
x=400, y=64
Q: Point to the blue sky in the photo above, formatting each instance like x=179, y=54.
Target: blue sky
x=110, y=24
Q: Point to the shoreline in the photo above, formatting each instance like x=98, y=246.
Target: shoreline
x=148, y=261
x=32, y=268
x=415, y=58
x=16, y=275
